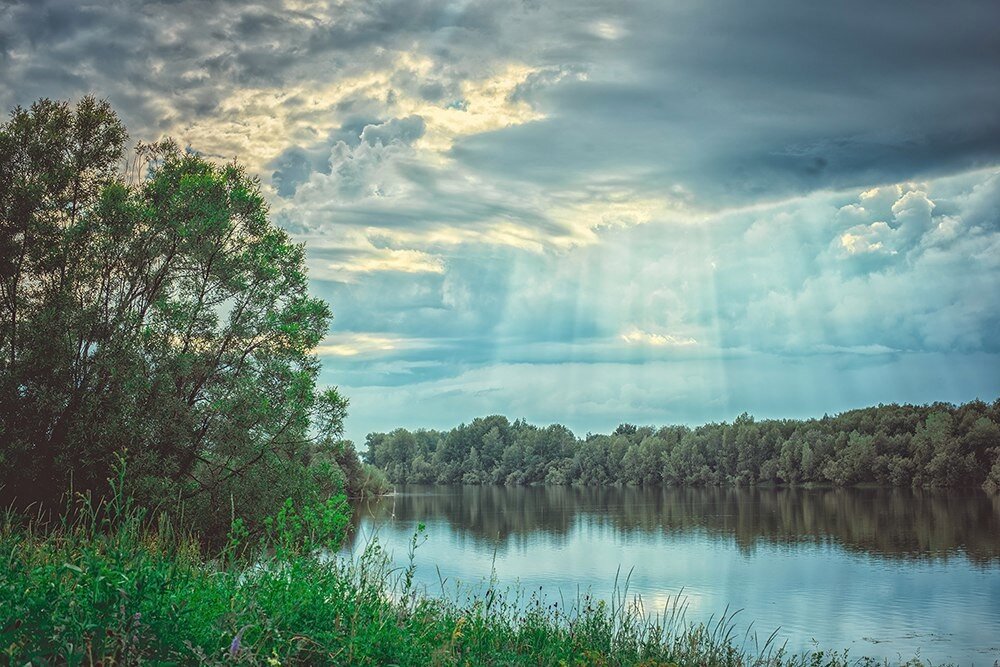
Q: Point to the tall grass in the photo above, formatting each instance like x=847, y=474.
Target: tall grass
x=106, y=584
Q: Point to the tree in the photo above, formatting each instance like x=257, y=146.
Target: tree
x=853, y=462
x=938, y=445
x=161, y=319
x=626, y=429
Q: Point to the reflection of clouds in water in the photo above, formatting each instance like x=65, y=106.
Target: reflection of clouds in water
x=675, y=604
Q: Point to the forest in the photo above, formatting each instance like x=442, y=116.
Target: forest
x=937, y=445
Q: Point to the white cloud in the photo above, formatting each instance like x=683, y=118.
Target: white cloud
x=911, y=213
x=636, y=336
x=353, y=344
x=381, y=259
x=611, y=30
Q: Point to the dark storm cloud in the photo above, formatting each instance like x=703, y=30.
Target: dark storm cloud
x=198, y=53
x=733, y=101
x=738, y=101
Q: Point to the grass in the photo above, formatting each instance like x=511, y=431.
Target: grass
x=107, y=585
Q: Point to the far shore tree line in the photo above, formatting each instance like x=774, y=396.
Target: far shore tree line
x=938, y=445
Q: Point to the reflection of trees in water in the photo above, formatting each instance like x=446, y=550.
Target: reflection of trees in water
x=894, y=523
x=495, y=514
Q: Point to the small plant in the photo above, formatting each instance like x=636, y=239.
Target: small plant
x=319, y=526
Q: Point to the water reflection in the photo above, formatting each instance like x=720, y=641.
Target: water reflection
x=885, y=573
x=887, y=523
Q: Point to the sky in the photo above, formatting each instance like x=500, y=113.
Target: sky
x=590, y=212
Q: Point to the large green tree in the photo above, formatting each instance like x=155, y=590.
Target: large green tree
x=150, y=311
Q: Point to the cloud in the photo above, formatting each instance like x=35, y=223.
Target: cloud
x=577, y=191
x=402, y=261
x=730, y=103
x=367, y=345
x=910, y=219
x=639, y=337
x=766, y=290
x=402, y=130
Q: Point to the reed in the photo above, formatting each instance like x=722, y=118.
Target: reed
x=107, y=584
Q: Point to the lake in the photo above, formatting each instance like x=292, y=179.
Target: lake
x=884, y=573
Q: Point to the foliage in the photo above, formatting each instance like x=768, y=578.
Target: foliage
x=293, y=530
x=939, y=445
x=162, y=318
x=360, y=480
x=105, y=588
x=372, y=482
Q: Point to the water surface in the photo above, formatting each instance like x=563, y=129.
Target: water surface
x=885, y=573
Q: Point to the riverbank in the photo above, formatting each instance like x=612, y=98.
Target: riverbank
x=107, y=588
